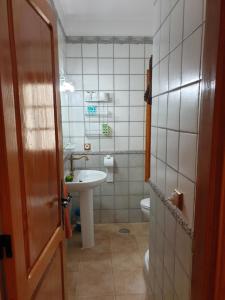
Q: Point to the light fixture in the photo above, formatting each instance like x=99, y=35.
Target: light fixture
x=65, y=85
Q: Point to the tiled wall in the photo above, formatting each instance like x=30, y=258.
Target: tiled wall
x=119, y=201
x=115, y=68
x=177, y=51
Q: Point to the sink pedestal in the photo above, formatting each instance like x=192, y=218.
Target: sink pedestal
x=87, y=218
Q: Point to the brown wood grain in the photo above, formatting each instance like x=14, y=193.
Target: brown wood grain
x=31, y=148
x=208, y=279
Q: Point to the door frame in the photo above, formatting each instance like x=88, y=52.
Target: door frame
x=208, y=274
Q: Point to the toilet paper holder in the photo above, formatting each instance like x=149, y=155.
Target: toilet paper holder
x=109, y=165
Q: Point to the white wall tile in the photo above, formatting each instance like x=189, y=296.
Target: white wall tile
x=107, y=144
x=136, y=128
x=73, y=50
x=136, y=113
x=162, y=110
x=75, y=99
x=164, y=65
x=171, y=181
x=105, y=50
x=137, y=66
x=154, y=140
x=121, y=98
x=187, y=155
x=121, y=114
x=191, y=57
x=121, y=50
x=156, y=48
x=189, y=108
x=65, y=114
x=90, y=82
x=106, y=82
x=137, y=82
x=161, y=175
x=137, y=50
x=76, y=129
x=165, y=7
x=155, y=111
x=65, y=129
x=105, y=66
x=121, y=143
x=173, y=120
x=172, y=148
x=136, y=98
x=161, y=148
x=122, y=216
x=76, y=80
x=121, y=66
x=153, y=169
x=121, y=129
x=89, y=50
x=175, y=68
x=182, y=282
x=90, y=66
x=136, y=144
x=164, y=39
x=155, y=81
x=76, y=114
x=176, y=25
x=74, y=66
x=193, y=15
x=121, y=82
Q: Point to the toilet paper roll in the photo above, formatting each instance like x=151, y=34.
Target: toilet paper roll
x=108, y=161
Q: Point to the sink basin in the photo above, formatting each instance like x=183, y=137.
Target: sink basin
x=84, y=182
x=86, y=179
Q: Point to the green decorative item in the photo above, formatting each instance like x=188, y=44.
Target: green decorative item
x=69, y=178
x=106, y=129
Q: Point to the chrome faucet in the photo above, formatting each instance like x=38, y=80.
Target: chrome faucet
x=72, y=158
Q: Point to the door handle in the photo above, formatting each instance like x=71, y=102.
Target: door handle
x=66, y=201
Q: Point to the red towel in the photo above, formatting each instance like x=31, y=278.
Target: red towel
x=68, y=228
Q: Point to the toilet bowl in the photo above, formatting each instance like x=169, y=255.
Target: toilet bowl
x=145, y=208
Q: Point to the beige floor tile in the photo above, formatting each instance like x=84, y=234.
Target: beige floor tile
x=129, y=282
x=127, y=261
x=97, y=298
x=123, y=244
x=100, y=251
x=95, y=279
x=131, y=297
x=72, y=281
x=140, y=228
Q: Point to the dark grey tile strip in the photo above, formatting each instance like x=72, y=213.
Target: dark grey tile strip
x=109, y=39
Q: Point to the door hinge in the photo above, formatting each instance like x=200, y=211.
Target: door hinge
x=5, y=246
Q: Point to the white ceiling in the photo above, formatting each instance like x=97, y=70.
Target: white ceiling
x=106, y=17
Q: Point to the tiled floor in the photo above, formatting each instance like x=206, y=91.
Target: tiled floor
x=113, y=269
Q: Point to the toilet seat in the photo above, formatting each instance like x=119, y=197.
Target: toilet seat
x=146, y=203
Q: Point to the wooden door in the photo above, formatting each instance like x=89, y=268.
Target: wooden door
x=31, y=150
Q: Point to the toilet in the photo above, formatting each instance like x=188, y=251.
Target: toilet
x=145, y=208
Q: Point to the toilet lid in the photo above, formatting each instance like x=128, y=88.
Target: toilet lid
x=146, y=203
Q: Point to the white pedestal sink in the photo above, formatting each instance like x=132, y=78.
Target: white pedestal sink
x=84, y=181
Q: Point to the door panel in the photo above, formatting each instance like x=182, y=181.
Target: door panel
x=51, y=285
x=37, y=121
x=34, y=108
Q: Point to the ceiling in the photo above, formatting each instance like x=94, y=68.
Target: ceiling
x=106, y=17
